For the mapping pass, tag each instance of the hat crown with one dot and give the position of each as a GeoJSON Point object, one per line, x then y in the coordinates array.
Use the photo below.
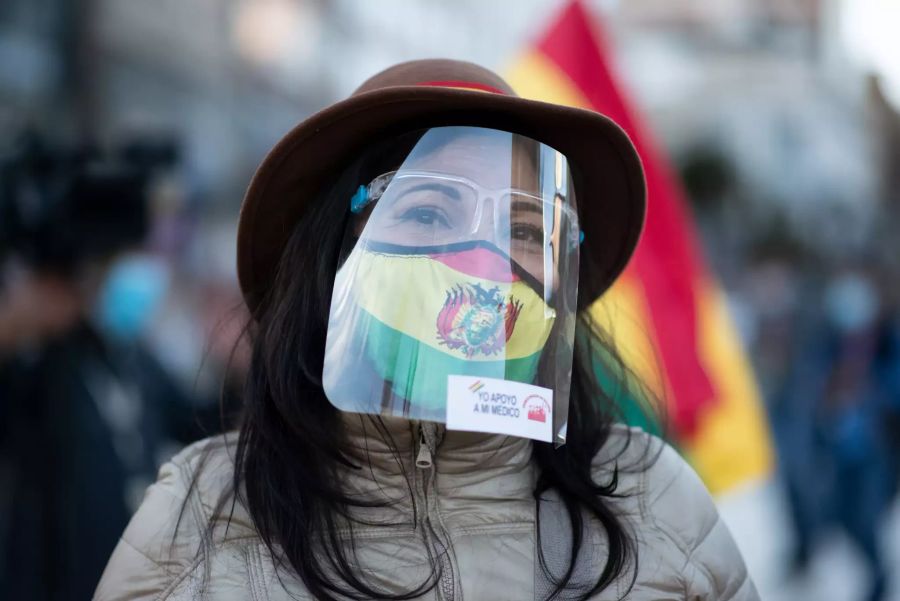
{"type": "Point", "coordinates": [440, 73]}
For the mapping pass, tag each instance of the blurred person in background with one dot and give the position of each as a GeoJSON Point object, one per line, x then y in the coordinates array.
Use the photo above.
{"type": "Point", "coordinates": [422, 418]}
{"type": "Point", "coordinates": [828, 361]}
{"type": "Point", "coordinates": [85, 410]}
{"type": "Point", "coordinates": [790, 378]}
{"type": "Point", "coordinates": [859, 360]}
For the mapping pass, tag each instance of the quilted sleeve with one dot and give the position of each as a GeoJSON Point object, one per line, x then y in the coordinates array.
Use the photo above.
{"type": "Point", "coordinates": [150, 560]}
{"type": "Point", "coordinates": [680, 506]}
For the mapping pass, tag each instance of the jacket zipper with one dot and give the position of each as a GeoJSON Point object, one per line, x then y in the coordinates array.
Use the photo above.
{"type": "Point", "coordinates": [423, 458]}
{"type": "Point", "coordinates": [435, 534]}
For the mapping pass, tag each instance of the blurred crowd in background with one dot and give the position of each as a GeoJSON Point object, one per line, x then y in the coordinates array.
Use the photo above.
{"type": "Point", "coordinates": [129, 130]}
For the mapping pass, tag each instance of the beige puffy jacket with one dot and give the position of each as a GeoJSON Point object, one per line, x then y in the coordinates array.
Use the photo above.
{"type": "Point", "coordinates": [473, 491]}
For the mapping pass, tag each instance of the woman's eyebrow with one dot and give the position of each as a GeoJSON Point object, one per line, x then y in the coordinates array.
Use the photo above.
{"type": "Point", "coordinates": [453, 192]}
{"type": "Point", "coordinates": [526, 206]}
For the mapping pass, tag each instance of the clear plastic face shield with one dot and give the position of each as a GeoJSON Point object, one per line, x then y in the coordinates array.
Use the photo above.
{"type": "Point", "coordinates": [456, 301]}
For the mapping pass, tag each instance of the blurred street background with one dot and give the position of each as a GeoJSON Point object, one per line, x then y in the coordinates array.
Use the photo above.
{"type": "Point", "coordinates": [130, 129]}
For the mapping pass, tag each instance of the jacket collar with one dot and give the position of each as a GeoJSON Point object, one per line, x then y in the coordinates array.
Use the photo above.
{"type": "Point", "coordinates": [392, 444]}
{"type": "Point", "coordinates": [385, 451]}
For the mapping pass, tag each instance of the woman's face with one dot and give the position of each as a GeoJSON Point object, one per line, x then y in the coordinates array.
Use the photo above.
{"type": "Point", "coordinates": [480, 185]}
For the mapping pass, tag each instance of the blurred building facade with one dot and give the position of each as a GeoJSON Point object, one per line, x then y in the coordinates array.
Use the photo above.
{"type": "Point", "coordinates": [768, 83]}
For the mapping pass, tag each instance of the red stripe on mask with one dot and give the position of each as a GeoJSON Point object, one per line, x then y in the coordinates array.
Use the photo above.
{"type": "Point", "coordinates": [480, 263]}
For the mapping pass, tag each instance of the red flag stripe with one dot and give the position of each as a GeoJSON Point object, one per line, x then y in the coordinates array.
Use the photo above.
{"type": "Point", "coordinates": [666, 260]}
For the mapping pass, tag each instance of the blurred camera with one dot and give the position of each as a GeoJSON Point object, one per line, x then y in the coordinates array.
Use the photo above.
{"type": "Point", "coordinates": [62, 206]}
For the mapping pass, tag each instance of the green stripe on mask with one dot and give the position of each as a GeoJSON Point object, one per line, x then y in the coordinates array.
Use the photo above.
{"type": "Point", "coordinates": [418, 372]}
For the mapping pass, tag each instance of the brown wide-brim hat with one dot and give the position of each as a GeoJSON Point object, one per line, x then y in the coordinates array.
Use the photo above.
{"type": "Point", "coordinates": [606, 171]}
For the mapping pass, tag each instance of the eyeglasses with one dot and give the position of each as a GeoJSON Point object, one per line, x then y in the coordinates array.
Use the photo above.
{"type": "Point", "coordinates": [421, 208]}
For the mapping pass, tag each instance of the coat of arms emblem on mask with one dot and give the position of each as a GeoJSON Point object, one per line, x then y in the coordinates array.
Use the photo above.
{"type": "Point", "coordinates": [474, 320]}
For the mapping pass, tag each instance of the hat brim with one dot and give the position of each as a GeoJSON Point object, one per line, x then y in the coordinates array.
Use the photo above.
{"type": "Point", "coordinates": [606, 171]}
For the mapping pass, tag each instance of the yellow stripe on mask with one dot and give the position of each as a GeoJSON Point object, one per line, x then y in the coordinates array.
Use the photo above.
{"type": "Point", "coordinates": [465, 316]}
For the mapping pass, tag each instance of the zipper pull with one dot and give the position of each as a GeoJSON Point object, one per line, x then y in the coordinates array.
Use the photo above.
{"type": "Point", "coordinates": [423, 459]}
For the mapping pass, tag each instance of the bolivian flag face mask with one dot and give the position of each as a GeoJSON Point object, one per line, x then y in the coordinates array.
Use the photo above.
{"type": "Point", "coordinates": [456, 300]}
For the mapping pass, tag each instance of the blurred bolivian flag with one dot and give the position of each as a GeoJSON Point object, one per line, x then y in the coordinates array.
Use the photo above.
{"type": "Point", "coordinates": [666, 313]}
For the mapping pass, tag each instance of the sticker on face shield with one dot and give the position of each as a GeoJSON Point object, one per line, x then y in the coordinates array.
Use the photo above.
{"type": "Point", "coordinates": [496, 406]}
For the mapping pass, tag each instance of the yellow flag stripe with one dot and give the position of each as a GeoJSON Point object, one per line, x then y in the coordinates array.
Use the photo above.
{"type": "Point", "coordinates": [535, 76]}
{"type": "Point", "coordinates": [731, 445]}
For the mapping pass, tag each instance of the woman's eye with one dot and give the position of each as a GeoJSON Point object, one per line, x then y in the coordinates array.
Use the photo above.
{"type": "Point", "coordinates": [527, 233]}
{"type": "Point", "coordinates": [426, 216]}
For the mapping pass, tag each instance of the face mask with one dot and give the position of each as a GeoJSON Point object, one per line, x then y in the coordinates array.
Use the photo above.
{"type": "Point", "coordinates": [467, 312]}
{"type": "Point", "coordinates": [851, 303]}
{"type": "Point", "coordinates": [133, 290]}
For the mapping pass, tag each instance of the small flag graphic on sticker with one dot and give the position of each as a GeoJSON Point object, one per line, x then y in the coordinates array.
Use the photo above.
{"type": "Point", "coordinates": [476, 386]}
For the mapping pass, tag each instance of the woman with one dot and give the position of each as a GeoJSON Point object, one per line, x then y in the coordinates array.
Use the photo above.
{"type": "Point", "coordinates": [422, 416]}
